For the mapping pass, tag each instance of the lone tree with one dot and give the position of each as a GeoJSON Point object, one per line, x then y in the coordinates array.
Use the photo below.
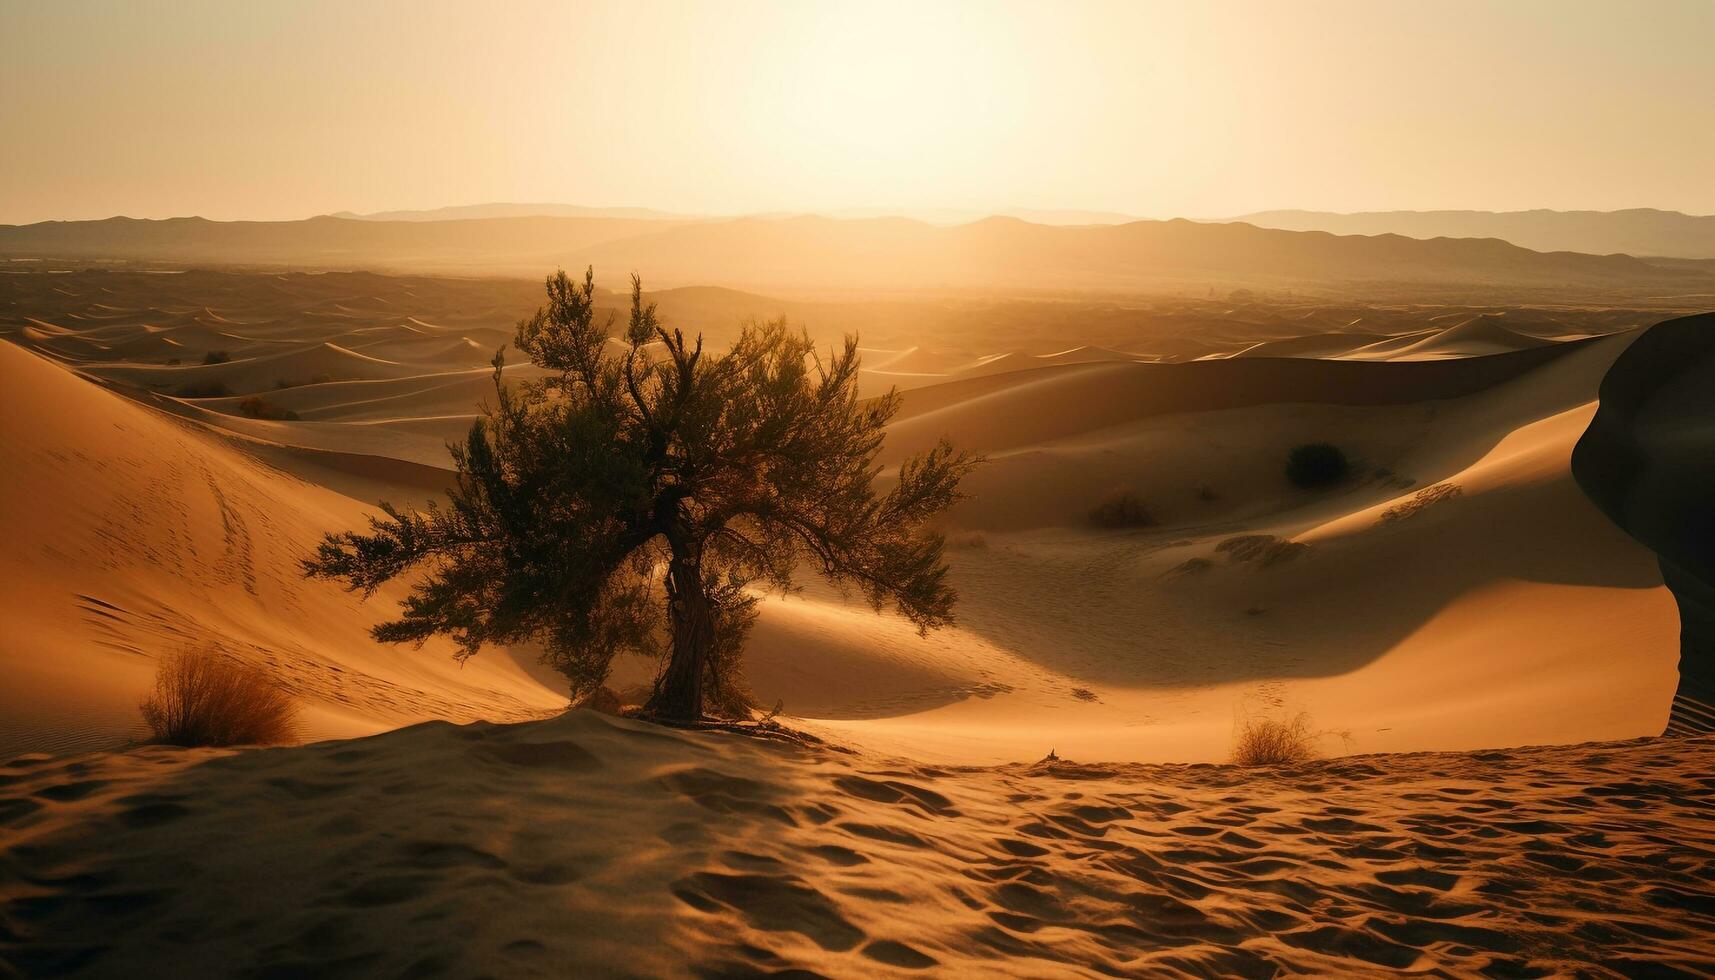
{"type": "Point", "coordinates": [645, 465]}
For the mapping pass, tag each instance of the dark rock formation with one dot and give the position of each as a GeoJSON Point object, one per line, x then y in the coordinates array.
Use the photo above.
{"type": "Point", "coordinates": [1648, 461]}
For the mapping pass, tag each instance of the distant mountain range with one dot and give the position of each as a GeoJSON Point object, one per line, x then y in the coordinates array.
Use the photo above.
{"type": "Point", "coordinates": [821, 254]}
{"type": "Point", "coordinates": [933, 216]}
{"type": "Point", "coordinates": [465, 212]}
{"type": "Point", "coordinates": [1639, 231]}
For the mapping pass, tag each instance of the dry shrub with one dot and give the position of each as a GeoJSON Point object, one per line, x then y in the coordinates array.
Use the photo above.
{"type": "Point", "coordinates": [1274, 741]}
{"type": "Point", "coordinates": [605, 700]}
{"type": "Point", "coordinates": [204, 698]}
{"type": "Point", "coordinates": [1190, 566]}
{"type": "Point", "coordinates": [1121, 508]}
{"type": "Point", "coordinates": [1262, 550]}
{"type": "Point", "coordinates": [971, 540]}
{"type": "Point", "coordinates": [261, 408]}
{"type": "Point", "coordinates": [1427, 497]}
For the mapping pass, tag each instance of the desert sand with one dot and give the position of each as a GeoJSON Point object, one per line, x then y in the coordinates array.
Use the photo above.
{"type": "Point", "coordinates": [593, 846]}
{"type": "Point", "coordinates": [1460, 592]}
{"type": "Point", "coordinates": [1463, 534]}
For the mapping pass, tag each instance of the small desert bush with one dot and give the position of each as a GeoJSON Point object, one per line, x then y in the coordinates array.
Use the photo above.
{"type": "Point", "coordinates": [1268, 741]}
{"type": "Point", "coordinates": [605, 700]}
{"type": "Point", "coordinates": [1121, 508]}
{"type": "Point", "coordinates": [261, 408]}
{"type": "Point", "coordinates": [217, 357]}
{"type": "Point", "coordinates": [967, 540]}
{"type": "Point", "coordinates": [1262, 550]}
{"type": "Point", "coordinates": [204, 698]}
{"type": "Point", "coordinates": [1315, 465]}
{"type": "Point", "coordinates": [203, 389]}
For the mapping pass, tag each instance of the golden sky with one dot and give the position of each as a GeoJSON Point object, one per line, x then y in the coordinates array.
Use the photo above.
{"type": "Point", "coordinates": [282, 110]}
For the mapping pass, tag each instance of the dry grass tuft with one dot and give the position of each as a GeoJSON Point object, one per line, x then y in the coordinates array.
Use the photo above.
{"type": "Point", "coordinates": [261, 408]}
{"type": "Point", "coordinates": [1427, 497]}
{"type": "Point", "coordinates": [1121, 507]}
{"type": "Point", "coordinates": [605, 700]}
{"type": "Point", "coordinates": [202, 698]}
{"type": "Point", "coordinates": [1274, 741]}
{"type": "Point", "coordinates": [967, 540]}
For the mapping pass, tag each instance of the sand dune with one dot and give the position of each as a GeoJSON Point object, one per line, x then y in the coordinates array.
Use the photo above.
{"type": "Point", "coordinates": [1005, 409]}
{"type": "Point", "coordinates": [1470, 338]}
{"type": "Point", "coordinates": [490, 850]}
{"type": "Point", "coordinates": [1311, 345]}
{"type": "Point", "coordinates": [131, 533]}
{"type": "Point", "coordinates": [306, 365]}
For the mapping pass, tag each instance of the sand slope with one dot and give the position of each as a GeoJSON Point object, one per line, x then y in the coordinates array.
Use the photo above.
{"type": "Point", "coordinates": [130, 533]}
{"type": "Point", "coordinates": [594, 847]}
{"type": "Point", "coordinates": [1464, 566]}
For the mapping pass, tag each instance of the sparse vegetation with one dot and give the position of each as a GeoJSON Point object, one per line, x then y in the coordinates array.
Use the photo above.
{"type": "Point", "coordinates": [203, 698]}
{"type": "Point", "coordinates": [1317, 465]}
{"type": "Point", "coordinates": [1427, 497]}
{"type": "Point", "coordinates": [1274, 741]}
{"type": "Point", "coordinates": [1190, 566]}
{"type": "Point", "coordinates": [203, 389]}
{"type": "Point", "coordinates": [1262, 550]}
{"type": "Point", "coordinates": [258, 407]}
{"type": "Point", "coordinates": [1121, 508]}
{"type": "Point", "coordinates": [217, 357]}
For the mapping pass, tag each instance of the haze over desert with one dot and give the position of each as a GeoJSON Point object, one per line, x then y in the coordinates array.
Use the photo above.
{"type": "Point", "coordinates": [870, 556]}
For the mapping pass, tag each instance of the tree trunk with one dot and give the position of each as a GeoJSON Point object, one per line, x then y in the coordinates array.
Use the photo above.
{"type": "Point", "coordinates": [679, 690]}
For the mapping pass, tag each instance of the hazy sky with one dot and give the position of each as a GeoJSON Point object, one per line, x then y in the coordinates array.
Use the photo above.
{"type": "Point", "coordinates": [282, 110]}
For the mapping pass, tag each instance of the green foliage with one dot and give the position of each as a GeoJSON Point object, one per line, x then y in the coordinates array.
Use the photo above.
{"type": "Point", "coordinates": [645, 465]}
{"type": "Point", "coordinates": [1316, 465]}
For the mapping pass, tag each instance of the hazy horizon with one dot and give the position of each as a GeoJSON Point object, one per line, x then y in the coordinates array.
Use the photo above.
{"type": "Point", "coordinates": [1153, 110]}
